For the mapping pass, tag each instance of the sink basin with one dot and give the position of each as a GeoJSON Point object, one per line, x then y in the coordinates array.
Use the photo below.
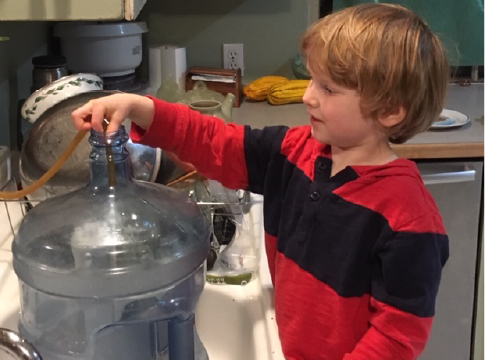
{"type": "Point", "coordinates": [231, 322]}
{"type": "Point", "coordinates": [237, 322]}
{"type": "Point", "coordinates": [234, 322]}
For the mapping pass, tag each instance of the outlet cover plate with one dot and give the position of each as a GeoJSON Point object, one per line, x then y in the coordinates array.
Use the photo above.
{"type": "Point", "coordinates": [233, 57]}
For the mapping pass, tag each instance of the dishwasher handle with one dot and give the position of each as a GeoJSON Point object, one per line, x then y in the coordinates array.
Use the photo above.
{"type": "Point", "coordinates": [449, 177]}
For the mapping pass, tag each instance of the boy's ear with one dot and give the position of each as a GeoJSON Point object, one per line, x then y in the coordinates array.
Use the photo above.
{"type": "Point", "coordinates": [392, 117]}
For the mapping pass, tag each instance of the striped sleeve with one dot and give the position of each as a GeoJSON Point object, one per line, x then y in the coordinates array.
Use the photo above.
{"type": "Point", "coordinates": [215, 148]}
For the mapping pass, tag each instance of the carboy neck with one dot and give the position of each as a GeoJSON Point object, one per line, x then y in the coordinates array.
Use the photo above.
{"type": "Point", "coordinates": [110, 165]}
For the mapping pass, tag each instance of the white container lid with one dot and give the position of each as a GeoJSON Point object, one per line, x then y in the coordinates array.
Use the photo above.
{"type": "Point", "coordinates": [86, 29]}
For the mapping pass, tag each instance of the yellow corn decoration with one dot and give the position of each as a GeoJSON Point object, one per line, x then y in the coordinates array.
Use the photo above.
{"type": "Point", "coordinates": [258, 89]}
{"type": "Point", "coordinates": [291, 91]}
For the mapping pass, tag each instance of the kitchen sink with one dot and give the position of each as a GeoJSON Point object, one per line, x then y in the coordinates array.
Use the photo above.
{"type": "Point", "coordinates": [231, 323]}
{"type": "Point", "coordinates": [237, 322]}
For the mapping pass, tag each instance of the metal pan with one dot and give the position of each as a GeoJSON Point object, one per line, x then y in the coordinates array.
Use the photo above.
{"type": "Point", "coordinates": [50, 136]}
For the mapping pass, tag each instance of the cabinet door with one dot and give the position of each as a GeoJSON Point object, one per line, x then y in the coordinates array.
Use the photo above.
{"type": "Point", "coordinates": [133, 8]}
{"type": "Point", "coordinates": [457, 189]}
{"type": "Point", "coordinates": [70, 9]}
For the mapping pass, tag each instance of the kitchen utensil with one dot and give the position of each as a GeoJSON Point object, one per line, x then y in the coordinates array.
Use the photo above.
{"type": "Point", "coordinates": [57, 91]}
{"type": "Point", "coordinates": [214, 108]}
{"type": "Point", "coordinates": [171, 168]}
{"type": "Point", "coordinates": [47, 69]}
{"type": "Point", "coordinates": [209, 102]}
{"type": "Point", "coordinates": [190, 175]}
{"type": "Point", "coordinates": [106, 49]}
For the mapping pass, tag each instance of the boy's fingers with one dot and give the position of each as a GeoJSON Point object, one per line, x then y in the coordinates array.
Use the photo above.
{"type": "Point", "coordinates": [85, 126]}
{"type": "Point", "coordinates": [115, 121]}
{"type": "Point", "coordinates": [82, 117]}
{"type": "Point", "coordinates": [98, 114]}
{"type": "Point", "coordinates": [92, 114]}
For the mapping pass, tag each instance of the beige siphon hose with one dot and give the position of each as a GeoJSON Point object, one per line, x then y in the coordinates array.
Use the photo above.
{"type": "Point", "coordinates": [9, 195]}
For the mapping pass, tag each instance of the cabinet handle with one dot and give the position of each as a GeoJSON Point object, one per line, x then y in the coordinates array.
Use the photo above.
{"type": "Point", "coordinates": [449, 177]}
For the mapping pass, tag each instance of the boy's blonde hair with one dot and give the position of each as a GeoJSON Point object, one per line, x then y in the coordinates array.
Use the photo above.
{"type": "Point", "coordinates": [389, 55]}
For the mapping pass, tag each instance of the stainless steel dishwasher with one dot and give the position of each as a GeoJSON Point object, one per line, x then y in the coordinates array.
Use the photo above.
{"type": "Point", "coordinates": [457, 189]}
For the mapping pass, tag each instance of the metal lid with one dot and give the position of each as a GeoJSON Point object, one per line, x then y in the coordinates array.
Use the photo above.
{"type": "Point", "coordinates": [49, 61]}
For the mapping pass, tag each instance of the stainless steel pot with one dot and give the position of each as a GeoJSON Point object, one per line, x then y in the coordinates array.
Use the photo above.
{"type": "Point", "coordinates": [50, 136]}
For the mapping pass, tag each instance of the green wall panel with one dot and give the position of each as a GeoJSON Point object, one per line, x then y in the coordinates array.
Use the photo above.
{"type": "Point", "coordinates": [459, 23]}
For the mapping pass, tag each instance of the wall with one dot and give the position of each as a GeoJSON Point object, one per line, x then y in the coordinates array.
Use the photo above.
{"type": "Point", "coordinates": [27, 39]}
{"type": "Point", "coordinates": [269, 29]}
{"type": "Point", "coordinates": [459, 24]}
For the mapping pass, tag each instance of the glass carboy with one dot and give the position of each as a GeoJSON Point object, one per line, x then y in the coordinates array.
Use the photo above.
{"type": "Point", "coordinates": [113, 270]}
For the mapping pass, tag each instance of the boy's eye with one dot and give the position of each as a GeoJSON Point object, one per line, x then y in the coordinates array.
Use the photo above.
{"type": "Point", "coordinates": [327, 89]}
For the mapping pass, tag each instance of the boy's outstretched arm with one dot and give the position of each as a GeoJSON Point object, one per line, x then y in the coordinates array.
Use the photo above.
{"type": "Point", "coordinates": [215, 148]}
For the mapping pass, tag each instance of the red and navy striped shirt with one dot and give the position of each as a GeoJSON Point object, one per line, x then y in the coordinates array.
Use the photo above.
{"type": "Point", "coordinates": [355, 258]}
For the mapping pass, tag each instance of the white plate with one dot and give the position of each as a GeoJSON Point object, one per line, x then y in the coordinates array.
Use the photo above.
{"type": "Point", "coordinates": [453, 119]}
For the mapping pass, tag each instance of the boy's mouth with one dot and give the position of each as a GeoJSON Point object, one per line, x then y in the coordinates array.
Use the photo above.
{"type": "Point", "coordinates": [314, 119]}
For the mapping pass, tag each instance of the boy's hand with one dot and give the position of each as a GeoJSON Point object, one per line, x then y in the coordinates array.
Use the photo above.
{"type": "Point", "coordinates": [115, 108]}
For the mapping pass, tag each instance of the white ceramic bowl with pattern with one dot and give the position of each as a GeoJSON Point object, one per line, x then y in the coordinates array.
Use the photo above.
{"type": "Point", "coordinates": [68, 86]}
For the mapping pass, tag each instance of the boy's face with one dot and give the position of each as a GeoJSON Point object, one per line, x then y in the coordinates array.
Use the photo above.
{"type": "Point", "coordinates": [336, 117]}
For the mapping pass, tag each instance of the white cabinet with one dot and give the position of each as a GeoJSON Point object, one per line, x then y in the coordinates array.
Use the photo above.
{"type": "Point", "coordinates": [58, 10]}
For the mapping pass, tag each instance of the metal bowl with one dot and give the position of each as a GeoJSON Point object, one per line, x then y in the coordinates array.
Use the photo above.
{"type": "Point", "coordinates": [50, 136]}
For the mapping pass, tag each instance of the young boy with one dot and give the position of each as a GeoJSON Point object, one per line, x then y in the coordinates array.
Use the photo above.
{"type": "Point", "coordinates": [354, 241]}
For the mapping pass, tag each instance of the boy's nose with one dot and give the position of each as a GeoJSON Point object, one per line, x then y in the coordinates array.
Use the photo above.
{"type": "Point", "coordinates": [308, 98]}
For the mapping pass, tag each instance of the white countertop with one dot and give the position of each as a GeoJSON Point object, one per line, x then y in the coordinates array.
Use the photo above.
{"type": "Point", "coordinates": [468, 100]}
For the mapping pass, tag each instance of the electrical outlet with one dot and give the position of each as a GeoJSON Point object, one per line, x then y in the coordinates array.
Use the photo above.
{"type": "Point", "coordinates": [232, 57]}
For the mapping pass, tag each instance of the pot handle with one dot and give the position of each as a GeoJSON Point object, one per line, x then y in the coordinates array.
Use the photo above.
{"type": "Point", "coordinates": [15, 345]}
